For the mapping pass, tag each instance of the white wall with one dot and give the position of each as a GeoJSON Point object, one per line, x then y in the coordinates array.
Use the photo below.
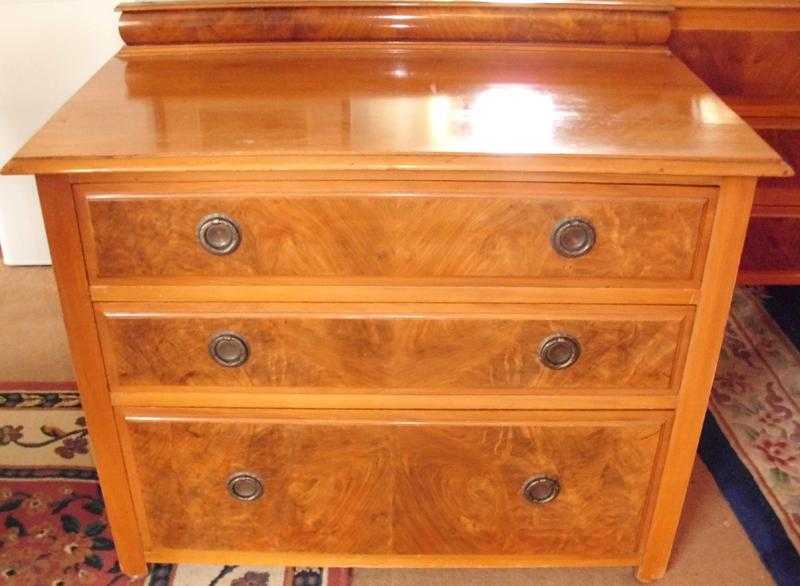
{"type": "Point", "coordinates": [48, 49]}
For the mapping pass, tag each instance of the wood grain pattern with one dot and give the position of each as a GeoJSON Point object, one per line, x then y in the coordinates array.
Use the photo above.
{"type": "Point", "coordinates": [727, 239]}
{"type": "Point", "coordinates": [779, 277]}
{"type": "Point", "coordinates": [73, 289]}
{"type": "Point", "coordinates": [772, 246]}
{"type": "Point", "coordinates": [757, 16]}
{"type": "Point", "coordinates": [771, 253]}
{"type": "Point", "coordinates": [785, 191]}
{"type": "Point", "coordinates": [403, 492]}
{"type": "Point", "coordinates": [761, 64]}
{"type": "Point", "coordinates": [435, 348]}
{"type": "Point", "coordinates": [412, 106]}
{"type": "Point", "coordinates": [444, 22]}
{"type": "Point", "coordinates": [418, 232]}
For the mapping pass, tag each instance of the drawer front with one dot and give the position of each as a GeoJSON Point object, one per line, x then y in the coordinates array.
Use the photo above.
{"type": "Point", "coordinates": [396, 348]}
{"type": "Point", "coordinates": [355, 232]}
{"type": "Point", "coordinates": [397, 483]}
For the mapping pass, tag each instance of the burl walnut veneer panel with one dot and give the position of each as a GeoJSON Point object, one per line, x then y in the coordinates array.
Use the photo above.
{"type": "Point", "coordinates": [148, 25]}
{"type": "Point", "coordinates": [755, 64]}
{"type": "Point", "coordinates": [423, 231]}
{"type": "Point", "coordinates": [402, 484]}
{"type": "Point", "coordinates": [443, 348]}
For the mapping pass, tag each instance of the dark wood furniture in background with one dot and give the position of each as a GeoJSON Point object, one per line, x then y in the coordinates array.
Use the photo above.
{"type": "Point", "coordinates": [748, 51]}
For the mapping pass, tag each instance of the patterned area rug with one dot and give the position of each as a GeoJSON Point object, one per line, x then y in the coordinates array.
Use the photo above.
{"type": "Point", "coordinates": [751, 441]}
{"type": "Point", "coordinates": [54, 531]}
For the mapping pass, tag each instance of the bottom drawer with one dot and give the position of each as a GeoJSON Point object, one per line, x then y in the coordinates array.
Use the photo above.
{"type": "Point", "coordinates": [390, 484]}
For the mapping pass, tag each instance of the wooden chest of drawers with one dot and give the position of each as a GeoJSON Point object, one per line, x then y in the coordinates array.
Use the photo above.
{"type": "Point", "coordinates": [457, 304]}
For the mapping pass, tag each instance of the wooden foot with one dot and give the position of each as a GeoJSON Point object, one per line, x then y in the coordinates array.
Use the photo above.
{"type": "Point", "coordinates": [133, 568]}
{"type": "Point", "coordinates": [648, 573]}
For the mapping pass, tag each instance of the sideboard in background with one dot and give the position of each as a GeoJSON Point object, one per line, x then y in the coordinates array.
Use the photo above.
{"type": "Point", "coordinates": [749, 53]}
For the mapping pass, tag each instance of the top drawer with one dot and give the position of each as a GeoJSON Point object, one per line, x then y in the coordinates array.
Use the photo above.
{"type": "Point", "coordinates": [395, 231]}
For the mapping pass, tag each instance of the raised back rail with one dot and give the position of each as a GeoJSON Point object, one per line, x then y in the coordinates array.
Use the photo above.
{"type": "Point", "coordinates": [204, 22]}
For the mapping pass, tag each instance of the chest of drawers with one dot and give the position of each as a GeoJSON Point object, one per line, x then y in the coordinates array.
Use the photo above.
{"type": "Point", "coordinates": [414, 303]}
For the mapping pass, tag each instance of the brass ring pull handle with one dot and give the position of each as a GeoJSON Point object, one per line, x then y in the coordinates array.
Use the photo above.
{"type": "Point", "coordinates": [229, 349]}
{"type": "Point", "coordinates": [219, 234]}
{"type": "Point", "coordinates": [540, 490]}
{"type": "Point", "coordinates": [245, 487]}
{"type": "Point", "coordinates": [573, 237]}
{"type": "Point", "coordinates": [559, 351]}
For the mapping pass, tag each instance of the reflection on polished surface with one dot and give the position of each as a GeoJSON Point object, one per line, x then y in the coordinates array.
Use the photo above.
{"type": "Point", "coordinates": [511, 119]}
{"type": "Point", "coordinates": [713, 111]}
{"type": "Point", "coordinates": [391, 100]}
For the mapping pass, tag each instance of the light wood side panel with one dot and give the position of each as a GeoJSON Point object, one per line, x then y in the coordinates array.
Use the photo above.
{"type": "Point", "coordinates": [411, 232]}
{"type": "Point", "coordinates": [414, 484]}
{"type": "Point", "coordinates": [396, 348]}
{"type": "Point", "coordinates": [73, 289]}
{"type": "Point", "coordinates": [727, 239]}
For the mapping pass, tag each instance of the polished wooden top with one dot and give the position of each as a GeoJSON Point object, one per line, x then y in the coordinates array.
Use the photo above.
{"type": "Point", "coordinates": [379, 106]}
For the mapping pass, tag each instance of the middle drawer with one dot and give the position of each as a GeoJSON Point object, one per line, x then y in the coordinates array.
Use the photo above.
{"type": "Point", "coordinates": [396, 348]}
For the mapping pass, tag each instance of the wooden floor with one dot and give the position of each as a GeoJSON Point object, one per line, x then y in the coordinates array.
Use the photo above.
{"type": "Point", "coordinates": [711, 547]}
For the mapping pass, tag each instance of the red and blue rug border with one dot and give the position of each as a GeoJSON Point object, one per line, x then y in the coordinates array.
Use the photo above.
{"type": "Point", "coordinates": [737, 484]}
{"type": "Point", "coordinates": [751, 508]}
